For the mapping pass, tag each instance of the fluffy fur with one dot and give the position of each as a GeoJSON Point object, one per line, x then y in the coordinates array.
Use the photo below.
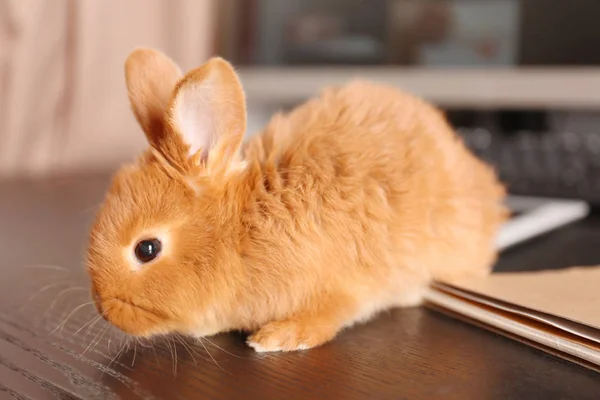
{"type": "Point", "coordinates": [350, 204]}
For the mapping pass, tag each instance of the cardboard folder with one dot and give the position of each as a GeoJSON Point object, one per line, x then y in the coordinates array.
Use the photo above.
{"type": "Point", "coordinates": [557, 311]}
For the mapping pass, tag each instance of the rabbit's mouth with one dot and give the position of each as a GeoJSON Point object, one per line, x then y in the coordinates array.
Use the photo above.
{"type": "Point", "coordinates": [129, 303]}
{"type": "Point", "coordinates": [131, 318]}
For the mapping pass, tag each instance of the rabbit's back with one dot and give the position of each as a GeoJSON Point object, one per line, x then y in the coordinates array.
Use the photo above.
{"type": "Point", "coordinates": [381, 175]}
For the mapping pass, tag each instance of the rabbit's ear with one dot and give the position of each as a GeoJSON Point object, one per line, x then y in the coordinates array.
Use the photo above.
{"type": "Point", "coordinates": [208, 111]}
{"type": "Point", "coordinates": [151, 77]}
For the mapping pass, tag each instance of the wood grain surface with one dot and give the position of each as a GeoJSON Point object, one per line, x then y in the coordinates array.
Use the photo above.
{"type": "Point", "coordinates": [52, 345]}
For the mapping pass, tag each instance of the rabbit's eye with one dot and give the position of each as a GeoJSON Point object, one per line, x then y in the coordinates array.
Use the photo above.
{"type": "Point", "coordinates": [147, 250]}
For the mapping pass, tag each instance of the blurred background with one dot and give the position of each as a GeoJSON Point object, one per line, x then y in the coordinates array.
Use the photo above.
{"type": "Point", "coordinates": [519, 79]}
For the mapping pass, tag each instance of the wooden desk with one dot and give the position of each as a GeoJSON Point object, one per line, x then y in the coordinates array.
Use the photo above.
{"type": "Point", "coordinates": [403, 354]}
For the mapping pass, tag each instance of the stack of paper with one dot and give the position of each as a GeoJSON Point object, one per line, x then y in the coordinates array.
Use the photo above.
{"type": "Point", "coordinates": [557, 311]}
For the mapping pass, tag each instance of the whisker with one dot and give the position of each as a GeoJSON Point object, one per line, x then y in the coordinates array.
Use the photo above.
{"type": "Point", "coordinates": [260, 357]}
{"type": "Point", "coordinates": [40, 291]}
{"type": "Point", "coordinates": [134, 352]}
{"type": "Point", "coordinates": [91, 321]}
{"type": "Point", "coordinates": [210, 355]}
{"type": "Point", "coordinates": [223, 350]}
{"type": "Point", "coordinates": [171, 351]}
{"type": "Point", "coordinates": [90, 208]}
{"type": "Point", "coordinates": [187, 348]}
{"type": "Point", "coordinates": [175, 352]}
{"type": "Point", "coordinates": [110, 332]}
{"type": "Point", "coordinates": [93, 340]}
{"type": "Point", "coordinates": [63, 292]}
{"type": "Point", "coordinates": [114, 359]}
{"type": "Point", "coordinates": [155, 354]}
{"type": "Point", "coordinates": [140, 341]}
{"type": "Point", "coordinates": [192, 347]}
{"type": "Point", "coordinates": [90, 327]}
{"type": "Point", "coordinates": [100, 340]}
{"type": "Point", "coordinates": [70, 315]}
{"type": "Point", "coordinates": [109, 339]}
{"type": "Point", "coordinates": [47, 266]}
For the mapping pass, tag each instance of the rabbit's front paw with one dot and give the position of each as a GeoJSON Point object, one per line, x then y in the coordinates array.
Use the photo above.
{"type": "Point", "coordinates": [290, 335]}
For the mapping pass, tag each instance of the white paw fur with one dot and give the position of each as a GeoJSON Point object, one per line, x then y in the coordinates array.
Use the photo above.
{"type": "Point", "coordinates": [261, 349]}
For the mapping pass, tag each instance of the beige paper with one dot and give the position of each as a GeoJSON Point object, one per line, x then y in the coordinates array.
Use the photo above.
{"type": "Point", "coordinates": [572, 293]}
{"type": "Point", "coordinates": [555, 311]}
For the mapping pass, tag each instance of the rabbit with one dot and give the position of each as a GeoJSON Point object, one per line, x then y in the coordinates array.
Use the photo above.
{"type": "Point", "coordinates": [349, 205]}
